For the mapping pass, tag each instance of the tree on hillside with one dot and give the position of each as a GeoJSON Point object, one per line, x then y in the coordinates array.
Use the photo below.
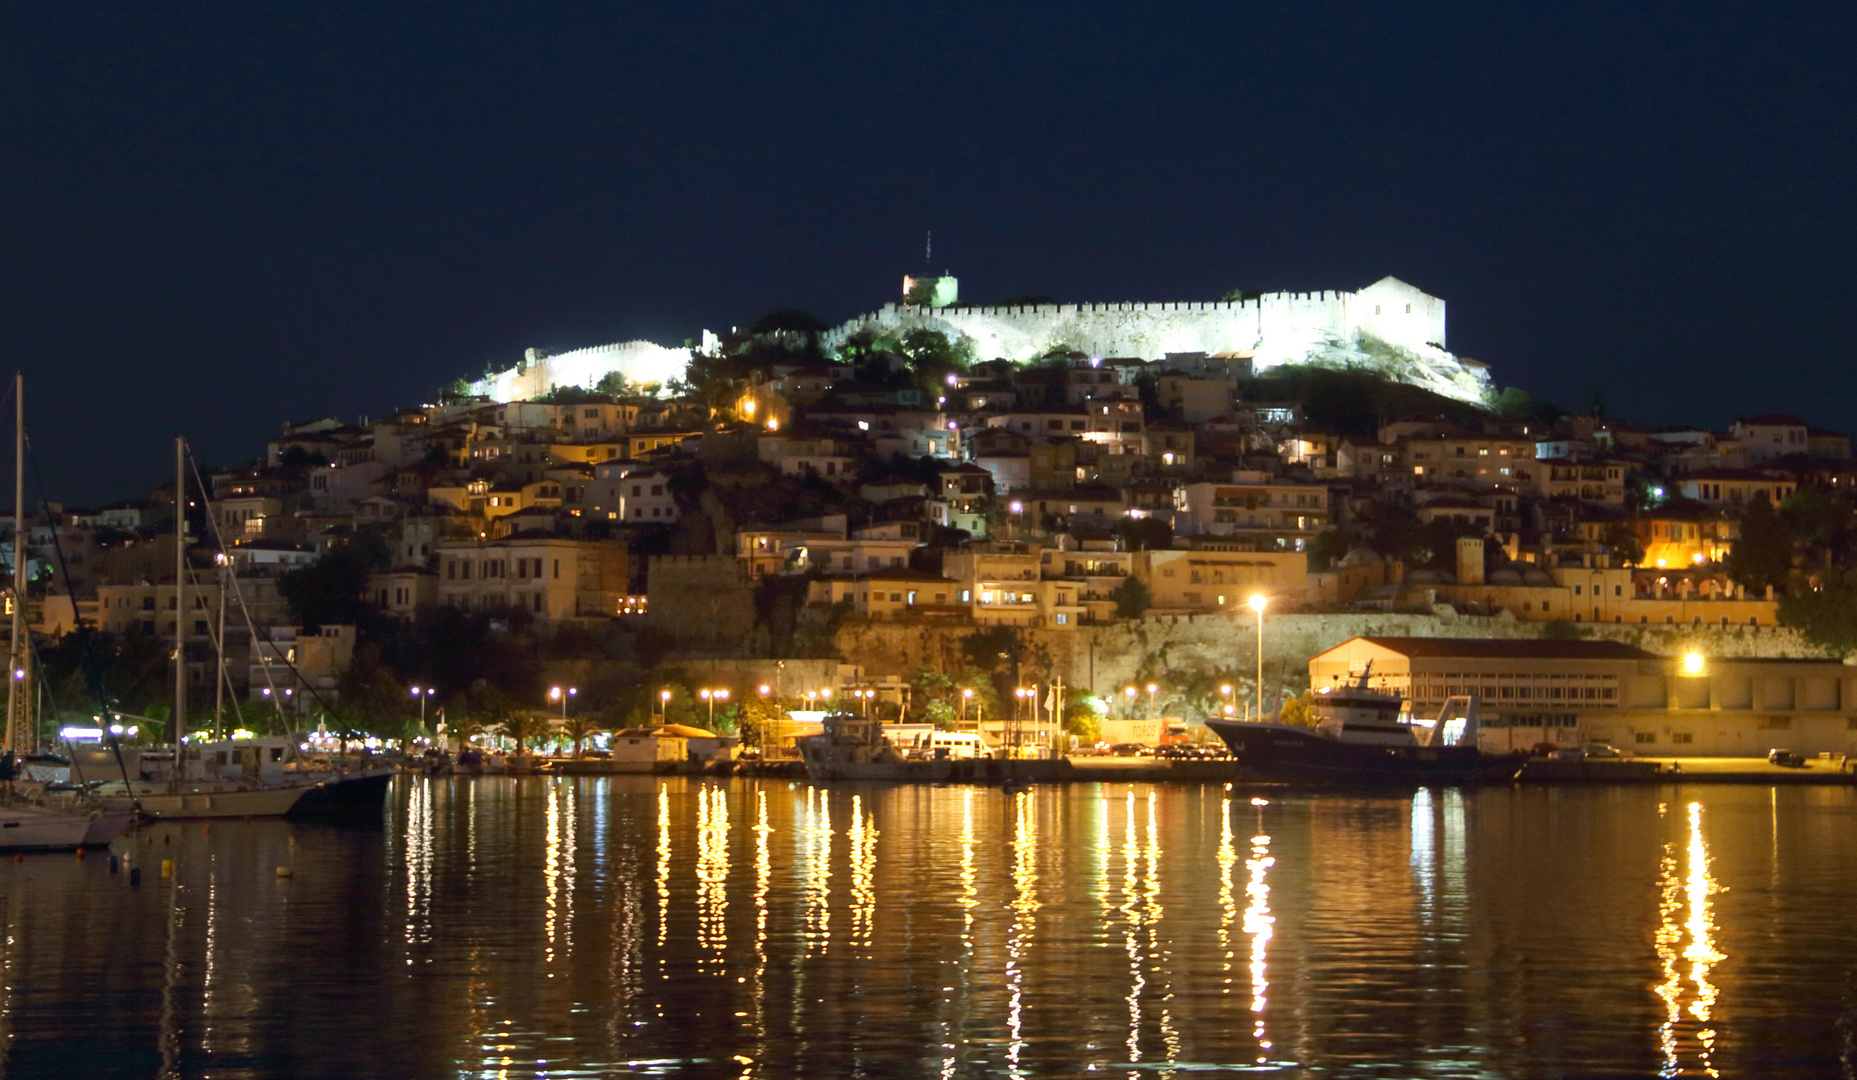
{"type": "Point", "coordinates": [1763, 554]}
{"type": "Point", "coordinates": [1824, 613]}
{"type": "Point", "coordinates": [1132, 598]}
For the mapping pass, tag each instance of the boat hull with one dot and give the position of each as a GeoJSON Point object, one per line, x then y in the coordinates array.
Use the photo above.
{"type": "Point", "coordinates": [340, 796]}
{"type": "Point", "coordinates": [33, 829]}
{"type": "Point", "coordinates": [1278, 752]}
{"type": "Point", "coordinates": [362, 795]}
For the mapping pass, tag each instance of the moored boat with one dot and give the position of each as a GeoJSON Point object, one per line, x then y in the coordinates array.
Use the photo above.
{"type": "Point", "coordinates": [854, 748]}
{"type": "Point", "coordinates": [1360, 738]}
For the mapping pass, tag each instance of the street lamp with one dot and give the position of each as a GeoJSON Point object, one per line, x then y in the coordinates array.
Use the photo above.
{"type": "Point", "coordinates": [1152, 711]}
{"type": "Point", "coordinates": [422, 694]}
{"type": "Point", "coordinates": [664, 705]}
{"type": "Point", "coordinates": [1258, 603]}
{"type": "Point", "coordinates": [713, 696]}
{"type": "Point", "coordinates": [1017, 508]}
{"type": "Point", "coordinates": [556, 693]}
{"type": "Point", "coordinates": [1130, 711]}
{"type": "Point", "coordinates": [967, 695]}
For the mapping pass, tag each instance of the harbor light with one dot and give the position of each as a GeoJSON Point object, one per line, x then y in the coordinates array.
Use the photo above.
{"type": "Point", "coordinates": [1692, 663]}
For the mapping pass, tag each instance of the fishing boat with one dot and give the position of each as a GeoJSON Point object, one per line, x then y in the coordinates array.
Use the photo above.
{"type": "Point", "coordinates": [855, 748]}
{"type": "Point", "coordinates": [1360, 738]}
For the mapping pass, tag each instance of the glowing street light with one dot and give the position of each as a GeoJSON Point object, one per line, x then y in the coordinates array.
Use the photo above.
{"type": "Point", "coordinates": [967, 695]}
{"type": "Point", "coordinates": [422, 693]}
{"type": "Point", "coordinates": [1130, 691]}
{"type": "Point", "coordinates": [664, 705]}
{"type": "Point", "coordinates": [556, 693]}
{"type": "Point", "coordinates": [1152, 710]}
{"type": "Point", "coordinates": [713, 696]}
{"type": "Point", "coordinates": [1692, 663]}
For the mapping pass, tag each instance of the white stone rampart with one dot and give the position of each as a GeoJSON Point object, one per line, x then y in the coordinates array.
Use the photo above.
{"type": "Point", "coordinates": [638, 361]}
{"type": "Point", "coordinates": [1287, 327]}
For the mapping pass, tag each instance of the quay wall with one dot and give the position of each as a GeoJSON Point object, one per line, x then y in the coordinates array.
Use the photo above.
{"type": "Point", "coordinates": [1109, 656]}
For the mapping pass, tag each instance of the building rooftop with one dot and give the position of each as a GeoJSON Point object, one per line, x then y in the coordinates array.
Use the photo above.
{"type": "Point", "coordinates": [1510, 649]}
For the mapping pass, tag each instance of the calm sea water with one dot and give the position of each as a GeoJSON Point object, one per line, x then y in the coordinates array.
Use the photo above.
{"type": "Point", "coordinates": [578, 927]}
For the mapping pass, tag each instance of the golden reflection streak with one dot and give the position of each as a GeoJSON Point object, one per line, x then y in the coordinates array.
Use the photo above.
{"type": "Point", "coordinates": [1260, 926]}
{"type": "Point", "coordinates": [1228, 898]}
{"type": "Point", "coordinates": [969, 900]}
{"type": "Point", "coordinates": [1152, 913]}
{"type": "Point", "coordinates": [712, 871]}
{"type": "Point", "coordinates": [551, 871]}
{"type": "Point", "coordinates": [664, 865]}
{"type": "Point", "coordinates": [863, 842]}
{"type": "Point", "coordinates": [1024, 908]}
{"type": "Point", "coordinates": [1686, 912]}
{"type": "Point", "coordinates": [1131, 938]}
{"type": "Point", "coordinates": [418, 866]}
{"type": "Point", "coordinates": [763, 880]}
{"type": "Point", "coordinates": [570, 835]}
{"type": "Point", "coordinates": [819, 871]}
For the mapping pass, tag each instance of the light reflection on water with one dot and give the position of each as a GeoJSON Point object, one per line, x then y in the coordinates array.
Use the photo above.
{"type": "Point", "coordinates": [505, 927]}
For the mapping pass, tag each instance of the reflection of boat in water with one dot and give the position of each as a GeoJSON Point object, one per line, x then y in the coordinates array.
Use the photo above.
{"type": "Point", "coordinates": [1359, 738]}
{"type": "Point", "coordinates": [854, 748]}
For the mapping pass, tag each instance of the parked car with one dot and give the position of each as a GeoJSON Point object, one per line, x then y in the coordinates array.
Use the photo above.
{"type": "Point", "coordinates": [1605, 750]}
{"type": "Point", "coordinates": [1130, 749]}
{"type": "Point", "coordinates": [1786, 758]}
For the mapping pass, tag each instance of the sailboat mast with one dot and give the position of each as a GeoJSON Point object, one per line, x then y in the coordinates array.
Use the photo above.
{"type": "Point", "coordinates": [16, 701]}
{"type": "Point", "coordinates": [180, 595]}
{"type": "Point", "coordinates": [219, 660]}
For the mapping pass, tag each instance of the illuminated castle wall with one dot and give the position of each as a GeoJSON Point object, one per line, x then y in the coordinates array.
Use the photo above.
{"type": "Point", "coordinates": [1276, 327]}
{"type": "Point", "coordinates": [638, 361]}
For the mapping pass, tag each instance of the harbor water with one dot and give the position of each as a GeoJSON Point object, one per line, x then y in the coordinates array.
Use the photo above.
{"type": "Point", "coordinates": [561, 927]}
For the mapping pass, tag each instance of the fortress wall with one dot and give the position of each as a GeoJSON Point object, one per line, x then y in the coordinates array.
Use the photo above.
{"type": "Point", "coordinates": [1281, 327]}
{"type": "Point", "coordinates": [638, 361]}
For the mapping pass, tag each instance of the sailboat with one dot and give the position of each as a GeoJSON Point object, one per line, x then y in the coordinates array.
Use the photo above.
{"type": "Point", "coordinates": [232, 777]}
{"type": "Point", "coordinates": [29, 819]}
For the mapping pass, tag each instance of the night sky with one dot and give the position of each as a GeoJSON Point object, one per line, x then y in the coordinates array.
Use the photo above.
{"type": "Point", "coordinates": [219, 217]}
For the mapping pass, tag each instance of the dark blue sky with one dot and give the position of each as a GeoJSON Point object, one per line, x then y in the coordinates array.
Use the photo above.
{"type": "Point", "coordinates": [222, 216]}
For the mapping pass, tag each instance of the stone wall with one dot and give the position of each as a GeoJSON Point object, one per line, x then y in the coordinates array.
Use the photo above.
{"type": "Point", "coordinates": [1109, 656]}
{"type": "Point", "coordinates": [702, 602]}
{"type": "Point", "coordinates": [638, 361]}
{"type": "Point", "coordinates": [1279, 328]}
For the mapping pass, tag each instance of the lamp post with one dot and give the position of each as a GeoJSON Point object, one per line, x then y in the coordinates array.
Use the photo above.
{"type": "Point", "coordinates": [664, 706]}
{"type": "Point", "coordinates": [1017, 508]}
{"type": "Point", "coordinates": [713, 696]}
{"type": "Point", "coordinates": [556, 693]}
{"type": "Point", "coordinates": [1153, 710]}
{"type": "Point", "coordinates": [1258, 603]}
{"type": "Point", "coordinates": [422, 694]}
{"type": "Point", "coordinates": [1129, 710]}
{"type": "Point", "coordinates": [967, 695]}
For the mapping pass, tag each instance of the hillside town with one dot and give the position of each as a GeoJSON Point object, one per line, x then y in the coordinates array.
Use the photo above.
{"type": "Point", "coordinates": [711, 550]}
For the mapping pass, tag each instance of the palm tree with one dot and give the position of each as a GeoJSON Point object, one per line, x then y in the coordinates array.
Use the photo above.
{"type": "Point", "coordinates": [520, 728]}
{"type": "Point", "coordinates": [580, 729]}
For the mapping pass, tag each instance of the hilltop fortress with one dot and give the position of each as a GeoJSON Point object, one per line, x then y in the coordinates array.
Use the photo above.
{"type": "Point", "coordinates": [1390, 327]}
